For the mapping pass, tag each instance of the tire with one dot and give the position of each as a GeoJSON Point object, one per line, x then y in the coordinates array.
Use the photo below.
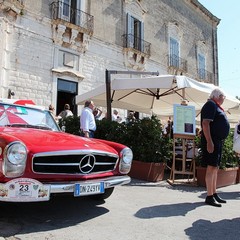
{"type": "Point", "coordinates": [108, 192]}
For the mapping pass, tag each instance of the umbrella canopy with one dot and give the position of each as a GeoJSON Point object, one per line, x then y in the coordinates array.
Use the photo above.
{"type": "Point", "coordinates": [154, 94]}
{"type": "Point", "coordinates": [233, 114]}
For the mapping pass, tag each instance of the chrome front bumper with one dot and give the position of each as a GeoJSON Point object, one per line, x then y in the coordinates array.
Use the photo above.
{"type": "Point", "coordinates": [109, 182]}
{"type": "Point", "coordinates": [31, 190]}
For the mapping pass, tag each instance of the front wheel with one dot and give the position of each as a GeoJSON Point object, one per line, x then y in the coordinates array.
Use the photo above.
{"type": "Point", "coordinates": [108, 192]}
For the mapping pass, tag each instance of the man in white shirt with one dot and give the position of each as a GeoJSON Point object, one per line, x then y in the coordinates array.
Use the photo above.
{"type": "Point", "coordinates": [87, 120]}
{"type": "Point", "coordinates": [116, 117]}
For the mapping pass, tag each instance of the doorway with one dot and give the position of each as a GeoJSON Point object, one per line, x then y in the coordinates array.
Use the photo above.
{"type": "Point", "coordinates": [66, 93]}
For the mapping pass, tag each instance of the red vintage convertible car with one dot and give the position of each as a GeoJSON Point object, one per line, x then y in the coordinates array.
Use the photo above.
{"type": "Point", "coordinates": [37, 159]}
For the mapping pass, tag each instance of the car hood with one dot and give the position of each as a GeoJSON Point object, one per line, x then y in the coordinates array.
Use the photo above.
{"type": "Point", "coordinates": [43, 140]}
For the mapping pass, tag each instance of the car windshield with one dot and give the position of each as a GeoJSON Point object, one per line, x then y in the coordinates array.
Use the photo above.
{"type": "Point", "coordinates": [23, 116]}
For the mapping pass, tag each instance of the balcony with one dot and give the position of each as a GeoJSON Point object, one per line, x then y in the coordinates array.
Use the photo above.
{"type": "Point", "coordinates": [137, 44]}
{"type": "Point", "coordinates": [204, 75]}
{"type": "Point", "coordinates": [13, 8]}
{"type": "Point", "coordinates": [136, 51]}
{"type": "Point", "coordinates": [71, 17]}
{"type": "Point", "coordinates": [177, 63]}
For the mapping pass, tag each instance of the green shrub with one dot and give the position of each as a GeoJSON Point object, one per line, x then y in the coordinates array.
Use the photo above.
{"type": "Point", "coordinates": [72, 124]}
{"type": "Point", "coordinates": [229, 158]}
{"type": "Point", "coordinates": [143, 136]}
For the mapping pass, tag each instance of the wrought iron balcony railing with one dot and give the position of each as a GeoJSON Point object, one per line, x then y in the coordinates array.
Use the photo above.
{"type": "Point", "coordinates": [131, 41]}
{"type": "Point", "coordinates": [205, 75]}
{"type": "Point", "coordinates": [67, 13]}
{"type": "Point", "coordinates": [177, 62]}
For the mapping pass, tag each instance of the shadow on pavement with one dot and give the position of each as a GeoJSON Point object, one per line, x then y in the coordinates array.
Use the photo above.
{"type": "Point", "coordinates": [205, 229]}
{"type": "Point", "coordinates": [225, 195]}
{"type": "Point", "coordinates": [165, 210]}
{"type": "Point", "coordinates": [59, 212]}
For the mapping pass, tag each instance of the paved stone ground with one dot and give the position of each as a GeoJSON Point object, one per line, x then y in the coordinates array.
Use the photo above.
{"type": "Point", "coordinates": [138, 211]}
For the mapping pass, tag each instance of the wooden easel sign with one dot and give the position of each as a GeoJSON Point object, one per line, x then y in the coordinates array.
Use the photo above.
{"type": "Point", "coordinates": [184, 122]}
{"type": "Point", "coordinates": [184, 128]}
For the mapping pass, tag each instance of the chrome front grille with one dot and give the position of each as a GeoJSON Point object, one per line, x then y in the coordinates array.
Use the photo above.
{"type": "Point", "coordinates": [74, 163]}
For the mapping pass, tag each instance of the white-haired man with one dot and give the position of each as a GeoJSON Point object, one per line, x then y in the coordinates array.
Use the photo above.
{"type": "Point", "coordinates": [215, 128]}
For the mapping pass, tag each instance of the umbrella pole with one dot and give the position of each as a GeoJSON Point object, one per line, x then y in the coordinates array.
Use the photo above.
{"type": "Point", "coordinates": [108, 94]}
{"type": "Point", "coordinates": [108, 86]}
{"type": "Point", "coordinates": [183, 93]}
{"type": "Point", "coordinates": [184, 101]}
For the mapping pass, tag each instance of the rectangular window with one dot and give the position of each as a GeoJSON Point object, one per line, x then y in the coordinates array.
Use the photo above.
{"type": "Point", "coordinates": [70, 11]}
{"type": "Point", "coordinates": [174, 53]}
{"type": "Point", "coordinates": [67, 86]}
{"type": "Point", "coordinates": [201, 66]}
{"type": "Point", "coordinates": [135, 33]}
{"type": "Point", "coordinates": [64, 10]}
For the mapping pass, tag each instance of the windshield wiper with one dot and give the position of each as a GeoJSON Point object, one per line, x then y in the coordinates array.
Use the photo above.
{"type": "Point", "coordinates": [39, 126]}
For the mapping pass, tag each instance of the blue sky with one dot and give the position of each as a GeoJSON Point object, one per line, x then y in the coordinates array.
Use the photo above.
{"type": "Point", "coordinates": [228, 42]}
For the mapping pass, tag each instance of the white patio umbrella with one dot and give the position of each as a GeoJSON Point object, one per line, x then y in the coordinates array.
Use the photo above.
{"type": "Point", "coordinates": [154, 94]}
{"type": "Point", "coordinates": [233, 115]}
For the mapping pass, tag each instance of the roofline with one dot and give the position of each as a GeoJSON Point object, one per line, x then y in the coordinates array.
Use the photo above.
{"type": "Point", "coordinates": [205, 11]}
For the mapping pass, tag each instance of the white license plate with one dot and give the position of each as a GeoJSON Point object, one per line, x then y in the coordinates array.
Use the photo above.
{"type": "Point", "coordinates": [88, 189]}
{"type": "Point", "coordinates": [24, 190]}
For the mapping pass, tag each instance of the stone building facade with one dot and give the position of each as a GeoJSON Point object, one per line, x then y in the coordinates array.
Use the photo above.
{"type": "Point", "coordinates": [51, 51]}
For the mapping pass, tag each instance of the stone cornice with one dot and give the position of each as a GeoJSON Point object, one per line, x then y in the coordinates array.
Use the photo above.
{"type": "Point", "coordinates": [205, 11]}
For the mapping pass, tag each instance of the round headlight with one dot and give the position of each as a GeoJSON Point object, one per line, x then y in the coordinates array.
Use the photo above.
{"type": "Point", "coordinates": [127, 155]}
{"type": "Point", "coordinates": [17, 153]}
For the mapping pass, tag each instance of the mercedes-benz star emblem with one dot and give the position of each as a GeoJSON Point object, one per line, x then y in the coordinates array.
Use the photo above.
{"type": "Point", "coordinates": [87, 163]}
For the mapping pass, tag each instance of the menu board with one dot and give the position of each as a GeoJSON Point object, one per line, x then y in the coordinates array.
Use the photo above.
{"type": "Point", "coordinates": [184, 119]}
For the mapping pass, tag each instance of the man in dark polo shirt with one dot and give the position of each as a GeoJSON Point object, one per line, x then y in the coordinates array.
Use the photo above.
{"type": "Point", "coordinates": [215, 128]}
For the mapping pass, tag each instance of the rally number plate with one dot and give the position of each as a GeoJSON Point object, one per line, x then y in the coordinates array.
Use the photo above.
{"type": "Point", "coordinates": [24, 190]}
{"type": "Point", "coordinates": [88, 189]}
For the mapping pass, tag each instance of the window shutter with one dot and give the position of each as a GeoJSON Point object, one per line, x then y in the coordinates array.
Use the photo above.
{"type": "Point", "coordinates": [130, 30]}
{"type": "Point", "coordinates": [78, 12]}
{"type": "Point", "coordinates": [64, 10]}
{"type": "Point", "coordinates": [201, 66]}
{"type": "Point", "coordinates": [142, 36]}
{"type": "Point", "coordinates": [174, 52]}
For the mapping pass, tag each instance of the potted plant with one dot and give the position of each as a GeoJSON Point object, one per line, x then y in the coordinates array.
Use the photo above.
{"type": "Point", "coordinates": [150, 148]}
{"type": "Point", "coordinates": [228, 171]}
